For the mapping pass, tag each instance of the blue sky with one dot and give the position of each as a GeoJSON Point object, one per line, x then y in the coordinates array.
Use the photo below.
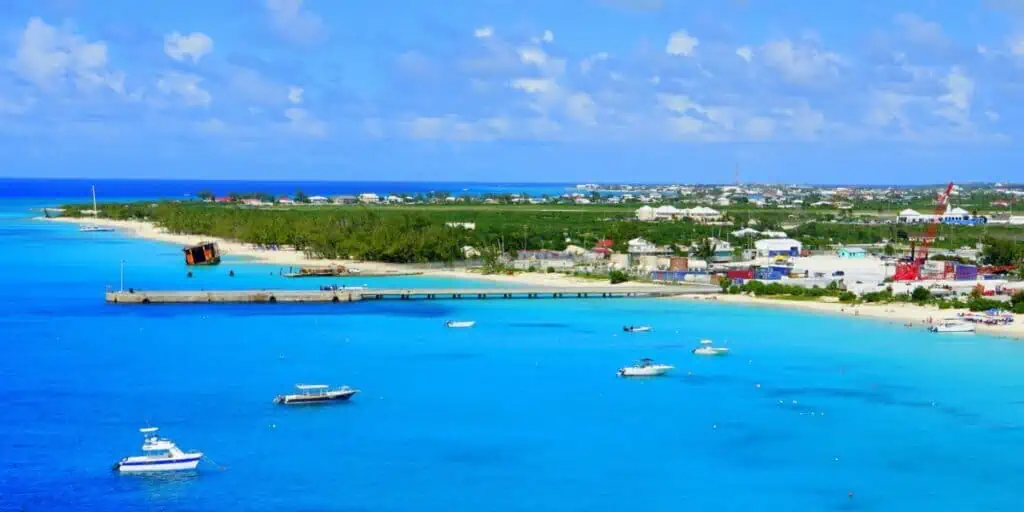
{"type": "Point", "coordinates": [514, 90]}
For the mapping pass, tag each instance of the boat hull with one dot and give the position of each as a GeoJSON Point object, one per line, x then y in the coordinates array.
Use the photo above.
{"type": "Point", "coordinates": [459, 325]}
{"type": "Point", "coordinates": [710, 351]}
{"type": "Point", "coordinates": [649, 371]}
{"type": "Point", "coordinates": [956, 329]}
{"type": "Point", "coordinates": [340, 396]}
{"type": "Point", "coordinates": [155, 466]}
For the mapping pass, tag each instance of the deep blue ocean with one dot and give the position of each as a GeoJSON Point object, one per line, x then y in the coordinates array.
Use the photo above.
{"type": "Point", "coordinates": [521, 413]}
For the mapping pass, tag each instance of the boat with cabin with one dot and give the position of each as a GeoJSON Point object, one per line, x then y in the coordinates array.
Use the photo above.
{"type": "Point", "coordinates": [160, 454]}
{"type": "Point", "coordinates": [93, 228]}
{"type": "Point", "coordinates": [324, 271]}
{"type": "Point", "coordinates": [645, 367]}
{"type": "Point", "coordinates": [459, 324]}
{"type": "Point", "coordinates": [706, 349]}
{"type": "Point", "coordinates": [636, 328]}
{"type": "Point", "coordinates": [952, 325]}
{"type": "Point", "coordinates": [316, 394]}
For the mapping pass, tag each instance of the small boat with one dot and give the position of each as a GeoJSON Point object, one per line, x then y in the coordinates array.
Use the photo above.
{"type": "Point", "coordinates": [463, 324]}
{"type": "Point", "coordinates": [705, 349]}
{"type": "Point", "coordinates": [161, 454]}
{"type": "Point", "coordinates": [952, 326]}
{"type": "Point", "coordinates": [94, 228]}
{"type": "Point", "coordinates": [644, 368]}
{"type": "Point", "coordinates": [315, 394]}
{"type": "Point", "coordinates": [637, 328]}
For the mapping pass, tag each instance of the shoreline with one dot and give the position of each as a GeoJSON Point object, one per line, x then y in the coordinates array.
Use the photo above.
{"type": "Point", "coordinates": [900, 313]}
{"type": "Point", "coordinates": [291, 257]}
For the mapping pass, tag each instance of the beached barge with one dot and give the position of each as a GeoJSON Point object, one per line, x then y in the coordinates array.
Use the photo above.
{"type": "Point", "coordinates": [203, 253]}
{"type": "Point", "coordinates": [353, 295]}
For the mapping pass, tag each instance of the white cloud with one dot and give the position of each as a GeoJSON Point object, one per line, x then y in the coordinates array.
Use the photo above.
{"type": "Point", "coordinates": [682, 44]}
{"type": "Point", "coordinates": [957, 100]}
{"type": "Point", "coordinates": [185, 87]}
{"type": "Point", "coordinates": [249, 86]}
{"type": "Point", "coordinates": [745, 53]}
{"type": "Point", "coordinates": [49, 57]}
{"type": "Point", "coordinates": [588, 63]}
{"type": "Point", "coordinates": [678, 103]}
{"type": "Point", "coordinates": [193, 46]}
{"type": "Point", "coordinates": [295, 94]}
{"type": "Point", "coordinates": [887, 107]}
{"type": "Point", "coordinates": [548, 36]}
{"type": "Point", "coordinates": [992, 116]}
{"type": "Point", "coordinates": [301, 122]}
{"type": "Point", "coordinates": [581, 107]}
{"type": "Point", "coordinates": [1016, 45]}
{"type": "Point", "coordinates": [685, 126]}
{"type": "Point", "coordinates": [535, 85]}
{"type": "Point", "coordinates": [759, 128]}
{"type": "Point", "coordinates": [483, 32]}
{"type": "Point", "coordinates": [292, 22]}
{"type": "Point", "coordinates": [10, 108]}
{"type": "Point", "coordinates": [800, 64]}
{"type": "Point", "coordinates": [921, 31]}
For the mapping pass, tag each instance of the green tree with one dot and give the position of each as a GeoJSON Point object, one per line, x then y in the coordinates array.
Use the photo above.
{"type": "Point", "coordinates": [205, 195]}
{"type": "Point", "coordinates": [920, 294]}
{"type": "Point", "coordinates": [301, 197]}
{"type": "Point", "coordinates": [1001, 252]}
{"type": "Point", "coordinates": [617, 276]}
{"type": "Point", "coordinates": [705, 249]}
{"type": "Point", "coordinates": [889, 250]}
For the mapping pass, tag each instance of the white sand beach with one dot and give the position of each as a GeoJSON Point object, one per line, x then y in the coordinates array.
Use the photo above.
{"type": "Point", "coordinates": [901, 314]}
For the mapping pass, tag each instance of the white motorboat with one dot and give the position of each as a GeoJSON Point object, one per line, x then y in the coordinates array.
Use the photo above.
{"type": "Point", "coordinates": [636, 328]}
{"type": "Point", "coordinates": [705, 349]}
{"type": "Point", "coordinates": [94, 228]}
{"type": "Point", "coordinates": [316, 394]}
{"type": "Point", "coordinates": [457, 324]}
{"type": "Point", "coordinates": [644, 368]}
{"type": "Point", "coordinates": [952, 326]}
{"type": "Point", "coordinates": [161, 454]}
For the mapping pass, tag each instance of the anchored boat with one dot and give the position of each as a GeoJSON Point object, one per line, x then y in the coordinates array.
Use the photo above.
{"type": "Point", "coordinates": [161, 454]}
{"type": "Point", "coordinates": [952, 326]}
{"type": "Point", "coordinates": [644, 368]}
{"type": "Point", "coordinates": [457, 324]}
{"type": "Point", "coordinates": [705, 349]}
{"type": "Point", "coordinates": [93, 228]}
{"type": "Point", "coordinates": [637, 328]}
{"type": "Point", "coordinates": [315, 394]}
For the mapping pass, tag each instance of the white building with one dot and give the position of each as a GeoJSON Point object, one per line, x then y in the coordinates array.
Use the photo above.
{"type": "Point", "coordinates": [369, 198]}
{"type": "Point", "coordinates": [645, 213]}
{"type": "Point", "coordinates": [464, 225]}
{"type": "Point", "coordinates": [318, 200]}
{"type": "Point", "coordinates": [641, 246]}
{"type": "Point", "coordinates": [778, 247]}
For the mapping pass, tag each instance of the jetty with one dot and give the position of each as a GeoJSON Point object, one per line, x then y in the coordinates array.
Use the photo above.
{"type": "Point", "coordinates": [368, 294]}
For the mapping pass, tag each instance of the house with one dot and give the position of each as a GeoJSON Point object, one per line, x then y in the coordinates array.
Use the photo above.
{"type": "Point", "coordinates": [722, 201]}
{"type": "Point", "coordinates": [851, 253]}
{"type": "Point", "coordinates": [604, 244]}
{"type": "Point", "coordinates": [703, 214]}
{"type": "Point", "coordinates": [667, 212]}
{"type": "Point", "coordinates": [393, 199]}
{"type": "Point", "coordinates": [464, 225]}
{"type": "Point", "coordinates": [285, 200]}
{"type": "Point", "coordinates": [344, 200]}
{"type": "Point", "coordinates": [318, 200]}
{"type": "Point", "coordinates": [223, 199]}
{"type": "Point", "coordinates": [641, 246]}
{"type": "Point", "coordinates": [253, 201]}
{"type": "Point", "coordinates": [722, 252]}
{"type": "Point", "coordinates": [645, 213]}
{"type": "Point", "coordinates": [369, 198]}
{"type": "Point", "coordinates": [778, 247]}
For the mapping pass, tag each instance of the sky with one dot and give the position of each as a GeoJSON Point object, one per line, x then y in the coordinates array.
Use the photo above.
{"type": "Point", "coordinates": [898, 91]}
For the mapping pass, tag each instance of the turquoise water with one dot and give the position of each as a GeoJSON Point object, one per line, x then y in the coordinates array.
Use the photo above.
{"type": "Point", "coordinates": [522, 412]}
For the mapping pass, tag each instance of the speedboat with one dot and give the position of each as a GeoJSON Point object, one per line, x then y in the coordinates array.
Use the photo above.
{"type": "Point", "coordinates": [161, 454]}
{"type": "Point", "coordinates": [636, 328]}
{"type": "Point", "coordinates": [315, 394]}
{"type": "Point", "coordinates": [464, 324]}
{"type": "Point", "coordinates": [705, 349]}
{"type": "Point", "coordinates": [645, 368]}
{"type": "Point", "coordinates": [95, 228]}
{"type": "Point", "coordinates": [952, 326]}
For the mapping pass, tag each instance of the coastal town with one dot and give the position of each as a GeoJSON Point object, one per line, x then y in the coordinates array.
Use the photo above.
{"type": "Point", "coordinates": [944, 247]}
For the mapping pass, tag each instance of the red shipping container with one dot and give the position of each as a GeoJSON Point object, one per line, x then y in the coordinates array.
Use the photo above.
{"type": "Point", "coordinates": [740, 274]}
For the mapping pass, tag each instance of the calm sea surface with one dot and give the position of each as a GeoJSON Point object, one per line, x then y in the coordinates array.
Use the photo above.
{"type": "Point", "coordinates": [523, 412]}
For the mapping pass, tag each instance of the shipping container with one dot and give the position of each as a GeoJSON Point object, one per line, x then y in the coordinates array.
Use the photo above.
{"type": "Point", "coordinates": [747, 273]}
{"type": "Point", "coordinates": [966, 272]}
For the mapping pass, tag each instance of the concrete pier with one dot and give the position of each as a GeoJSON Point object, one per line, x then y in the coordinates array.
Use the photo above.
{"type": "Point", "coordinates": [349, 295]}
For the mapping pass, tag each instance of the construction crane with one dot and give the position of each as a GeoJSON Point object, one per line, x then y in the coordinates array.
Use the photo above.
{"type": "Point", "coordinates": [911, 270]}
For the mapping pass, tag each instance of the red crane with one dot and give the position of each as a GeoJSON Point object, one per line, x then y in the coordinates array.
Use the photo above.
{"type": "Point", "coordinates": [911, 270]}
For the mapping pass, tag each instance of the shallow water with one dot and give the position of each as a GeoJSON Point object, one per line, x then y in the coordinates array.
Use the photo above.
{"type": "Point", "coordinates": [522, 412]}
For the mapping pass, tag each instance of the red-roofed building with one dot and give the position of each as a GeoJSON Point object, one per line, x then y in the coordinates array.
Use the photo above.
{"type": "Point", "coordinates": [604, 244]}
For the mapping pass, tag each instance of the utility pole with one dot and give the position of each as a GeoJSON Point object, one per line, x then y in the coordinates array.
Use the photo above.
{"type": "Point", "coordinates": [122, 275]}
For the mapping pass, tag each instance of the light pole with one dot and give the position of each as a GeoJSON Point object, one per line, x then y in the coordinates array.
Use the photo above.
{"type": "Point", "coordinates": [122, 275]}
